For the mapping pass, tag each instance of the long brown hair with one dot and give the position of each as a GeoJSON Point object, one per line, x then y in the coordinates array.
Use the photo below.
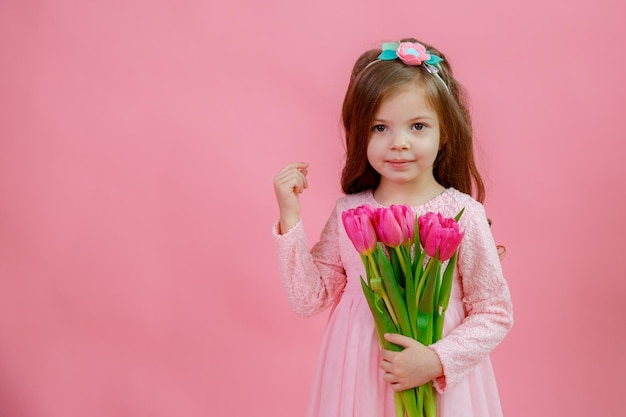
{"type": "Point", "coordinates": [370, 83]}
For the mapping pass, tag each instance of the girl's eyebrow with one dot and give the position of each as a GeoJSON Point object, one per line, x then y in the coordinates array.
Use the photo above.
{"type": "Point", "coordinates": [416, 118]}
{"type": "Point", "coordinates": [422, 117]}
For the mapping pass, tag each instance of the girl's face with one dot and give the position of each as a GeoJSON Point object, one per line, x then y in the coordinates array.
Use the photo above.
{"type": "Point", "coordinates": [404, 139]}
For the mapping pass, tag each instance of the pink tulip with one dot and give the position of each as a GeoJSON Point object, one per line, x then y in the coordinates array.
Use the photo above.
{"type": "Point", "coordinates": [439, 233]}
{"type": "Point", "coordinates": [394, 225]}
{"type": "Point", "coordinates": [360, 229]}
{"type": "Point", "coordinates": [407, 221]}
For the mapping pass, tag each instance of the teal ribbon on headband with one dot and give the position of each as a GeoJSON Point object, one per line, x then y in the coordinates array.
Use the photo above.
{"type": "Point", "coordinates": [414, 54]}
{"type": "Point", "coordinates": [390, 51]}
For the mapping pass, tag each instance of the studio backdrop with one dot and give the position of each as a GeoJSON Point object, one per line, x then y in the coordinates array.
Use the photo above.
{"type": "Point", "coordinates": [138, 142]}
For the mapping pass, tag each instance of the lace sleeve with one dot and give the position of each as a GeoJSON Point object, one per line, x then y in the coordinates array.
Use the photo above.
{"type": "Point", "coordinates": [487, 302]}
{"type": "Point", "coordinates": [313, 280]}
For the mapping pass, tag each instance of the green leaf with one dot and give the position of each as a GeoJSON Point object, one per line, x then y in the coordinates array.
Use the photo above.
{"type": "Point", "coordinates": [382, 319]}
{"type": "Point", "coordinates": [444, 296]}
{"type": "Point", "coordinates": [426, 306]}
{"type": "Point", "coordinates": [396, 266]}
{"type": "Point", "coordinates": [393, 291]}
{"type": "Point", "coordinates": [411, 304]}
{"type": "Point", "coordinates": [437, 289]}
{"type": "Point", "coordinates": [404, 257]}
{"type": "Point", "coordinates": [458, 216]}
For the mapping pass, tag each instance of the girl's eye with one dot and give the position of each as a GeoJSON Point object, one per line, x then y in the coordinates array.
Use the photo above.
{"type": "Point", "coordinates": [419, 126]}
{"type": "Point", "coordinates": [379, 128]}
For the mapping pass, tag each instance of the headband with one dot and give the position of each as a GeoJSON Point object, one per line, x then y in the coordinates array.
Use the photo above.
{"type": "Point", "coordinates": [413, 54]}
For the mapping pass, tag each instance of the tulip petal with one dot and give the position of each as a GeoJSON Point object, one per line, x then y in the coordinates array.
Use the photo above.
{"type": "Point", "coordinates": [359, 228]}
{"type": "Point", "coordinates": [387, 227]}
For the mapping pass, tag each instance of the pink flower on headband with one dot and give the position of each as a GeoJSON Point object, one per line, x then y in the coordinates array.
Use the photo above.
{"type": "Point", "coordinates": [412, 53]}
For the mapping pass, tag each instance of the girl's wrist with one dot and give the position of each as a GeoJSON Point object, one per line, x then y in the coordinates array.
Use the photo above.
{"type": "Point", "coordinates": [436, 365]}
{"type": "Point", "coordinates": [286, 223]}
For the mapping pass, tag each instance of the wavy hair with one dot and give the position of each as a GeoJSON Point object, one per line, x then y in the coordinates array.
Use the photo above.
{"type": "Point", "coordinates": [370, 83]}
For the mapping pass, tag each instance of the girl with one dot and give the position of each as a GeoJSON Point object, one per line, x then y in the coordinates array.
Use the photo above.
{"type": "Point", "coordinates": [408, 141]}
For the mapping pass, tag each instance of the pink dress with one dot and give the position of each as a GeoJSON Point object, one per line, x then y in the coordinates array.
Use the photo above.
{"type": "Point", "coordinates": [348, 381]}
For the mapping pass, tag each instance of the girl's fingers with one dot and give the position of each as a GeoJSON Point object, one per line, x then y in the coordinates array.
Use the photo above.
{"type": "Point", "coordinates": [297, 165]}
{"type": "Point", "coordinates": [294, 166]}
{"type": "Point", "coordinates": [290, 182]}
{"type": "Point", "coordinates": [292, 178]}
{"type": "Point", "coordinates": [400, 340]}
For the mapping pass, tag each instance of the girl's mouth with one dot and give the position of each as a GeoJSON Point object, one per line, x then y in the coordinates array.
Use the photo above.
{"type": "Point", "coordinates": [399, 163]}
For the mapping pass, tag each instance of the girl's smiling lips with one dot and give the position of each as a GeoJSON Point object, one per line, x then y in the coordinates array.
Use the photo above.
{"type": "Point", "coordinates": [399, 163]}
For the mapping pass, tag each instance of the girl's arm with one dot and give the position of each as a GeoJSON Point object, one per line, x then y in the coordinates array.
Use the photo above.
{"type": "Point", "coordinates": [487, 302]}
{"type": "Point", "coordinates": [313, 280]}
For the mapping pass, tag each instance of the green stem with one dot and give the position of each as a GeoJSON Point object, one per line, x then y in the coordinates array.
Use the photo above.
{"type": "Point", "coordinates": [392, 313]}
{"type": "Point", "coordinates": [430, 400]}
{"type": "Point", "coordinates": [397, 397]}
{"type": "Point", "coordinates": [409, 399]}
{"type": "Point", "coordinates": [373, 267]}
{"type": "Point", "coordinates": [422, 281]}
{"type": "Point", "coordinates": [402, 260]}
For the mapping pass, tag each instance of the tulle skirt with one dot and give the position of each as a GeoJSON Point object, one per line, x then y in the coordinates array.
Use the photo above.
{"type": "Point", "coordinates": [348, 381]}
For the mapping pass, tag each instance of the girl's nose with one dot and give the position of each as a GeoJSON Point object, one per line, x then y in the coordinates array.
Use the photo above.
{"type": "Point", "coordinates": [400, 143]}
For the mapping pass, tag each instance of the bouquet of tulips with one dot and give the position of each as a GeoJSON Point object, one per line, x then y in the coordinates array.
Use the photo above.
{"type": "Point", "coordinates": [405, 289]}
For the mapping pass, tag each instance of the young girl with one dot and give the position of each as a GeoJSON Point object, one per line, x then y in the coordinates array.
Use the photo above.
{"type": "Point", "coordinates": [408, 141]}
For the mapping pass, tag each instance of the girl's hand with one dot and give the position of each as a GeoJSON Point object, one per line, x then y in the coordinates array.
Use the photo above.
{"type": "Point", "coordinates": [412, 367]}
{"type": "Point", "coordinates": [288, 184]}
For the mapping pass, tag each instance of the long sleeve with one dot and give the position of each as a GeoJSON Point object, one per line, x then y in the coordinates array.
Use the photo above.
{"type": "Point", "coordinates": [313, 280]}
{"type": "Point", "coordinates": [487, 302]}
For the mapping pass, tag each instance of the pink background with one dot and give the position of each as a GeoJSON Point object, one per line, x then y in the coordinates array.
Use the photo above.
{"type": "Point", "coordinates": [138, 142]}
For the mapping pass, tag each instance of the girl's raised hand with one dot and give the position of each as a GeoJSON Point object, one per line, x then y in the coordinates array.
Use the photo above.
{"type": "Point", "coordinates": [414, 366]}
{"type": "Point", "coordinates": [288, 184]}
